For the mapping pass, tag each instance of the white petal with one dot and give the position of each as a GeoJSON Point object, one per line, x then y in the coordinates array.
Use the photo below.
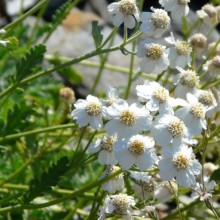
{"type": "Point", "coordinates": [167, 171]}
{"type": "Point", "coordinates": [129, 22]}
{"type": "Point", "coordinates": [126, 159]}
{"type": "Point", "coordinates": [118, 19]}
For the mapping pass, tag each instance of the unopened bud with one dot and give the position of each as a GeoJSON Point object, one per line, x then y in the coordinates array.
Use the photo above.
{"type": "Point", "coordinates": [67, 95]}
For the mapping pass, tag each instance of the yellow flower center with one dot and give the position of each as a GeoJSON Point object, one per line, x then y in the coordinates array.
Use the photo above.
{"type": "Point", "coordinates": [154, 51]}
{"type": "Point", "coordinates": [189, 78]}
{"type": "Point", "coordinates": [121, 203]}
{"type": "Point", "coordinates": [93, 108]}
{"type": "Point", "coordinates": [107, 143]}
{"type": "Point", "coordinates": [216, 61]}
{"type": "Point", "coordinates": [183, 48]}
{"type": "Point", "coordinates": [198, 40]}
{"type": "Point", "coordinates": [197, 110]}
{"type": "Point", "coordinates": [181, 161]}
{"type": "Point", "coordinates": [127, 7]}
{"type": "Point", "coordinates": [136, 147]}
{"type": "Point", "coordinates": [161, 94]}
{"type": "Point", "coordinates": [127, 118]}
{"type": "Point", "coordinates": [160, 19]}
{"type": "Point", "coordinates": [176, 127]}
{"type": "Point", "coordinates": [206, 98]}
{"type": "Point", "coordinates": [210, 10]}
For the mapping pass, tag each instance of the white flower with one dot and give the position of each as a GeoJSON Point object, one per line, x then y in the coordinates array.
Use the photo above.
{"type": "Point", "coordinates": [209, 168]}
{"type": "Point", "coordinates": [187, 81]}
{"type": "Point", "coordinates": [112, 96]}
{"type": "Point", "coordinates": [165, 190]}
{"type": "Point", "coordinates": [179, 55]}
{"type": "Point", "coordinates": [118, 204]}
{"type": "Point", "coordinates": [203, 189]}
{"type": "Point", "coordinates": [178, 8]}
{"type": "Point", "coordinates": [155, 56]}
{"type": "Point", "coordinates": [124, 11]}
{"type": "Point", "coordinates": [208, 14]}
{"type": "Point", "coordinates": [207, 98]}
{"type": "Point", "coordinates": [213, 65]}
{"type": "Point", "coordinates": [88, 111]}
{"type": "Point", "coordinates": [156, 97]}
{"type": "Point", "coordinates": [193, 115]}
{"type": "Point", "coordinates": [114, 184]}
{"type": "Point", "coordinates": [105, 147]}
{"type": "Point", "coordinates": [167, 129]}
{"type": "Point", "coordinates": [143, 185]}
{"type": "Point", "coordinates": [180, 163]}
{"type": "Point", "coordinates": [137, 150]}
{"type": "Point", "coordinates": [127, 120]}
{"type": "Point", "coordinates": [198, 42]}
{"type": "Point", "coordinates": [155, 23]}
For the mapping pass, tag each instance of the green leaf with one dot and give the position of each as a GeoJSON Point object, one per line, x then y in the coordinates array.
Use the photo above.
{"type": "Point", "coordinates": [6, 106]}
{"type": "Point", "coordinates": [31, 60]}
{"type": "Point", "coordinates": [13, 43]}
{"type": "Point", "coordinates": [47, 180]}
{"type": "Point", "coordinates": [215, 175]}
{"type": "Point", "coordinates": [96, 33]}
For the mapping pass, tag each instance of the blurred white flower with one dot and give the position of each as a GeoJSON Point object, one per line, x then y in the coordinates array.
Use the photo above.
{"type": "Point", "coordinates": [154, 56]}
{"type": "Point", "coordinates": [127, 120]}
{"type": "Point", "coordinates": [213, 66]}
{"type": "Point", "coordinates": [143, 186]}
{"type": "Point", "coordinates": [198, 42]}
{"type": "Point", "coordinates": [180, 163]}
{"type": "Point", "coordinates": [178, 8]}
{"type": "Point", "coordinates": [124, 11]}
{"type": "Point", "coordinates": [104, 146]}
{"type": "Point", "coordinates": [114, 184]}
{"type": "Point", "coordinates": [156, 97]}
{"type": "Point", "coordinates": [165, 190]}
{"type": "Point", "coordinates": [155, 23]}
{"type": "Point", "coordinates": [193, 115]}
{"type": "Point", "coordinates": [187, 81]}
{"type": "Point", "coordinates": [180, 53]}
{"type": "Point", "coordinates": [118, 204]}
{"type": "Point", "coordinates": [203, 189]}
{"type": "Point", "coordinates": [208, 14]}
{"type": "Point", "coordinates": [137, 150]}
{"type": "Point", "coordinates": [88, 112]}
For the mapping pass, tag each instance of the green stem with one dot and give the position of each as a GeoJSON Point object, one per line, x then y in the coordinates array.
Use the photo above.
{"type": "Point", "coordinates": [130, 72]}
{"type": "Point", "coordinates": [24, 16]}
{"type": "Point", "coordinates": [37, 131]}
{"type": "Point", "coordinates": [59, 200]}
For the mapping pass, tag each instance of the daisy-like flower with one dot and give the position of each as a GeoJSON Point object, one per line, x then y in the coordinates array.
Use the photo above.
{"type": "Point", "coordinates": [155, 56]}
{"type": "Point", "coordinates": [112, 96]}
{"type": "Point", "coordinates": [193, 115]}
{"type": "Point", "coordinates": [213, 65]}
{"type": "Point", "coordinates": [179, 163]}
{"type": "Point", "coordinates": [155, 23]}
{"type": "Point", "coordinates": [203, 190]}
{"type": "Point", "coordinates": [88, 112]}
{"type": "Point", "coordinates": [137, 150]}
{"type": "Point", "coordinates": [156, 97]}
{"type": "Point", "coordinates": [178, 8]}
{"type": "Point", "coordinates": [207, 99]}
{"type": "Point", "coordinates": [118, 204]}
{"type": "Point", "coordinates": [143, 185]}
{"type": "Point", "coordinates": [179, 54]}
{"type": "Point", "coordinates": [198, 42]}
{"type": "Point", "coordinates": [114, 184]}
{"type": "Point", "coordinates": [127, 120]}
{"type": "Point", "coordinates": [104, 146]}
{"type": "Point", "coordinates": [167, 129]}
{"type": "Point", "coordinates": [165, 190]}
{"type": "Point", "coordinates": [186, 81]}
{"type": "Point", "coordinates": [208, 14]}
{"type": "Point", "coordinates": [124, 11]}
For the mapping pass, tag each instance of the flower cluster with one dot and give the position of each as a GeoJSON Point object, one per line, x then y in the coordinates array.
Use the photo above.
{"type": "Point", "coordinates": [153, 139]}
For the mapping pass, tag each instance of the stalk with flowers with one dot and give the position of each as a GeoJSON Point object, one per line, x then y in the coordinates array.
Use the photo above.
{"type": "Point", "coordinates": [113, 158]}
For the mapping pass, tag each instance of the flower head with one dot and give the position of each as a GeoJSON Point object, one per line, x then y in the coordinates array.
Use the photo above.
{"type": "Point", "coordinates": [180, 163]}
{"type": "Point", "coordinates": [154, 56]}
{"type": "Point", "coordinates": [124, 11]}
{"type": "Point", "coordinates": [126, 120]}
{"type": "Point", "coordinates": [155, 23]}
{"type": "Point", "coordinates": [88, 111]}
{"type": "Point", "coordinates": [198, 42]}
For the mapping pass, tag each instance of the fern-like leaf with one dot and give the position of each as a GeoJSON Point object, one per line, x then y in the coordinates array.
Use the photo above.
{"type": "Point", "coordinates": [31, 60]}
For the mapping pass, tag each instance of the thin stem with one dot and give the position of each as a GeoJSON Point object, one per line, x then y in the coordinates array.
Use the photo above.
{"type": "Point", "coordinates": [24, 16]}
{"type": "Point", "coordinates": [59, 200]}
{"type": "Point", "coordinates": [125, 34]}
{"type": "Point", "coordinates": [37, 131]}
